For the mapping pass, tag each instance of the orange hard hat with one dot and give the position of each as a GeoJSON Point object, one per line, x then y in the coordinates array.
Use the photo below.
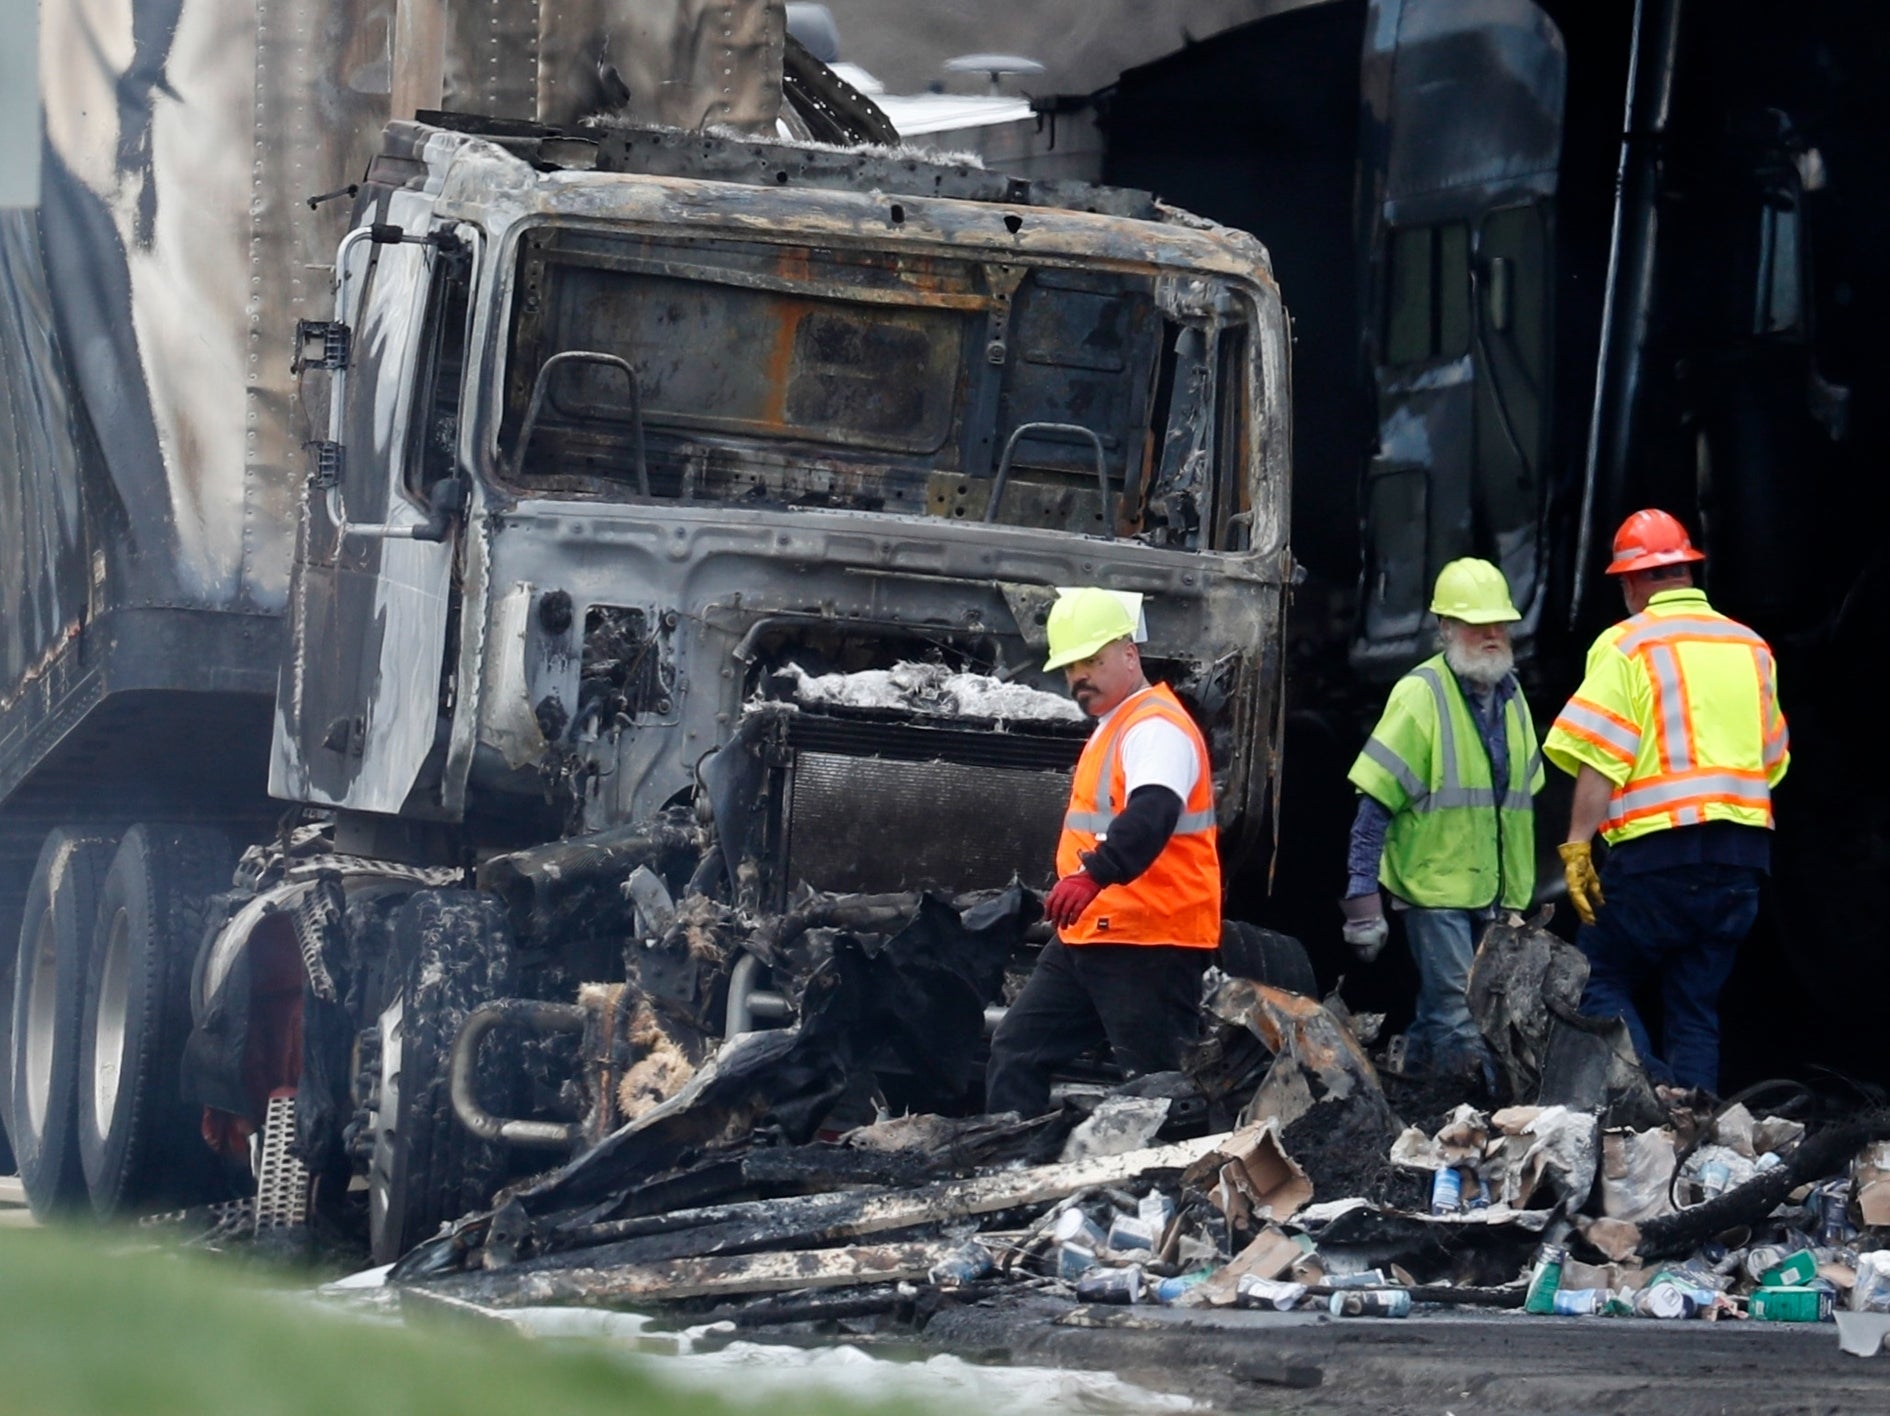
{"type": "Point", "coordinates": [1651, 538]}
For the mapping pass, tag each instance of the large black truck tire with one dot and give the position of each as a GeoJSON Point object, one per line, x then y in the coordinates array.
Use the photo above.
{"type": "Point", "coordinates": [139, 1141]}
{"type": "Point", "coordinates": [452, 952]}
{"type": "Point", "coordinates": [43, 1019]}
{"type": "Point", "coordinates": [13, 882]}
{"type": "Point", "coordinates": [1266, 956]}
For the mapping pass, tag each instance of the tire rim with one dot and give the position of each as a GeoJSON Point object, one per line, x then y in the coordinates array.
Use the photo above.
{"type": "Point", "coordinates": [108, 1037]}
{"type": "Point", "coordinates": [42, 1025]}
{"type": "Point", "coordinates": [386, 1112]}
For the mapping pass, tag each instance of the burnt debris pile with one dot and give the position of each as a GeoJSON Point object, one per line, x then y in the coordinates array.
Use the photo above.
{"type": "Point", "coordinates": [773, 1177]}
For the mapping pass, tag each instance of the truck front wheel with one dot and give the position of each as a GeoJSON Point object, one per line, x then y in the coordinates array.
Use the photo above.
{"type": "Point", "coordinates": [453, 951]}
{"type": "Point", "coordinates": [49, 973]}
{"type": "Point", "coordinates": [139, 1141]}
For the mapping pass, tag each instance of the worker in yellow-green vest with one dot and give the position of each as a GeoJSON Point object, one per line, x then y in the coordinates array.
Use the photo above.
{"type": "Point", "coordinates": [1675, 740]}
{"type": "Point", "coordinates": [1446, 811]}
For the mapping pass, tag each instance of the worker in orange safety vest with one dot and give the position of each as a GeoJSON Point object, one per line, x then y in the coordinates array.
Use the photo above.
{"type": "Point", "coordinates": [1137, 903]}
{"type": "Point", "coordinates": [1676, 740]}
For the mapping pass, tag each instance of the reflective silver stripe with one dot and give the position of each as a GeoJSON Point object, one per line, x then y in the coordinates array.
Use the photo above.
{"type": "Point", "coordinates": [1685, 627]}
{"type": "Point", "coordinates": [1451, 792]}
{"type": "Point", "coordinates": [1105, 794]}
{"type": "Point", "coordinates": [1778, 739]}
{"type": "Point", "coordinates": [1688, 816]}
{"type": "Point", "coordinates": [1694, 784]}
{"type": "Point", "coordinates": [1446, 730]}
{"type": "Point", "coordinates": [1398, 767]}
{"type": "Point", "coordinates": [1444, 798]}
{"type": "Point", "coordinates": [1678, 747]}
{"type": "Point", "coordinates": [1529, 773]}
{"type": "Point", "coordinates": [1577, 714]}
{"type": "Point", "coordinates": [1779, 747]}
{"type": "Point", "coordinates": [1097, 823]}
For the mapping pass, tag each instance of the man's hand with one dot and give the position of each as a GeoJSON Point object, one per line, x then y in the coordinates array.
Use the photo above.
{"type": "Point", "coordinates": [1584, 886]}
{"type": "Point", "coordinates": [1069, 897]}
{"type": "Point", "coordinates": [1365, 928]}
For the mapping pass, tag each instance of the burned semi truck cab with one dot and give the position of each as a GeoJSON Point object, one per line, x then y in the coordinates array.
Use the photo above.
{"type": "Point", "coordinates": [632, 430]}
{"type": "Point", "coordinates": [674, 562]}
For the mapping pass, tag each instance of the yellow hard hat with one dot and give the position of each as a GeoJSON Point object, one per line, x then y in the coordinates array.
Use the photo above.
{"type": "Point", "coordinates": [1473, 591]}
{"type": "Point", "coordinates": [1087, 617]}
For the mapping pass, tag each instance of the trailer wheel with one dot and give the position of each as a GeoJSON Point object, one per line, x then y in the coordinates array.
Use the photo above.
{"type": "Point", "coordinates": [12, 898]}
{"type": "Point", "coordinates": [454, 948]}
{"type": "Point", "coordinates": [139, 1140]}
{"type": "Point", "coordinates": [49, 974]}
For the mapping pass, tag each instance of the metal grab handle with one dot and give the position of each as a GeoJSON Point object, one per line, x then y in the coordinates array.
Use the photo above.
{"type": "Point", "coordinates": [1010, 446]}
{"type": "Point", "coordinates": [542, 383]}
{"type": "Point", "coordinates": [505, 1130]}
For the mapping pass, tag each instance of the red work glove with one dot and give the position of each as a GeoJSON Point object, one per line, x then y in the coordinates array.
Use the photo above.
{"type": "Point", "coordinates": [1069, 897]}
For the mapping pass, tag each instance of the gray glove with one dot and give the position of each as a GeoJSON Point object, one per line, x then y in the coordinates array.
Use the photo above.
{"type": "Point", "coordinates": [1365, 927]}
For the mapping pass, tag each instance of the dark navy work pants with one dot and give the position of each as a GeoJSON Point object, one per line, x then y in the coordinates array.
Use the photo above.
{"type": "Point", "coordinates": [1144, 1000]}
{"type": "Point", "coordinates": [1681, 927]}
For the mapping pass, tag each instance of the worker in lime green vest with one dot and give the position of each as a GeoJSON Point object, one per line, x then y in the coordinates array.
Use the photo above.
{"type": "Point", "coordinates": [1446, 811]}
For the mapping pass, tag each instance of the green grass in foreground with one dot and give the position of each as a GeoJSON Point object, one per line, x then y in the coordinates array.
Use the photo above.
{"type": "Point", "coordinates": [84, 1330]}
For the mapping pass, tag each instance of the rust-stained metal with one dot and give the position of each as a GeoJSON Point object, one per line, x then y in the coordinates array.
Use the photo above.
{"type": "Point", "coordinates": [510, 1013]}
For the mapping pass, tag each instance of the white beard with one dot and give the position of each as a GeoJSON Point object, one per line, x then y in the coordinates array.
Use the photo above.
{"type": "Point", "coordinates": [1483, 667]}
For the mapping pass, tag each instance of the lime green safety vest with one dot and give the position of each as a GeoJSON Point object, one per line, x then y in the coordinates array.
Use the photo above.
{"type": "Point", "coordinates": [1454, 841]}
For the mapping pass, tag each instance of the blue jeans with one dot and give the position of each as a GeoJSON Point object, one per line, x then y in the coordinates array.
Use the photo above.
{"type": "Point", "coordinates": [1443, 1036]}
{"type": "Point", "coordinates": [1682, 926]}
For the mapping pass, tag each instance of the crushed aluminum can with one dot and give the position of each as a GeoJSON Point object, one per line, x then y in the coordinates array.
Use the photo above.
{"type": "Point", "coordinates": [1714, 1177]}
{"type": "Point", "coordinates": [1761, 1258]}
{"type": "Point", "coordinates": [1833, 1201]}
{"type": "Point", "coordinates": [1664, 1300]}
{"type": "Point", "coordinates": [1370, 1303]}
{"type": "Point", "coordinates": [1074, 1260]}
{"type": "Point", "coordinates": [1371, 1278]}
{"type": "Point", "coordinates": [1793, 1271]}
{"type": "Point", "coordinates": [1580, 1302]}
{"type": "Point", "coordinates": [1156, 1210]}
{"type": "Point", "coordinates": [1075, 1227]}
{"type": "Point", "coordinates": [1129, 1232]}
{"type": "Point", "coordinates": [1446, 1190]}
{"type": "Point", "coordinates": [1110, 1285]}
{"type": "Point", "coordinates": [968, 1262]}
{"type": "Point", "coordinates": [1169, 1289]}
{"type": "Point", "coordinates": [1255, 1292]}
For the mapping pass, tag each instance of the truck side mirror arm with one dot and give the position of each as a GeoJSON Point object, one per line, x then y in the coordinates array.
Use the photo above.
{"type": "Point", "coordinates": [446, 502]}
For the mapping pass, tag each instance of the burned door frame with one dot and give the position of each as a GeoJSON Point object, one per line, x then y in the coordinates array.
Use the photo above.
{"type": "Point", "coordinates": [373, 601]}
{"type": "Point", "coordinates": [1457, 417]}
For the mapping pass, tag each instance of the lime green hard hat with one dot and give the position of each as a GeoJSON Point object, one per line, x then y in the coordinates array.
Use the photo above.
{"type": "Point", "coordinates": [1087, 617]}
{"type": "Point", "coordinates": [1473, 591]}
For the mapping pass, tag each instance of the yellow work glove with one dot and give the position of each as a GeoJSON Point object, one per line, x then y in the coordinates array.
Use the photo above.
{"type": "Point", "coordinates": [1584, 886]}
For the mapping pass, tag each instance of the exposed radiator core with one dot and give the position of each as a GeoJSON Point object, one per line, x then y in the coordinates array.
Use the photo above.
{"type": "Point", "coordinates": [877, 806]}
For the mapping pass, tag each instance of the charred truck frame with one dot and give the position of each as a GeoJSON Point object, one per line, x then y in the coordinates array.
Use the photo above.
{"type": "Point", "coordinates": [619, 440]}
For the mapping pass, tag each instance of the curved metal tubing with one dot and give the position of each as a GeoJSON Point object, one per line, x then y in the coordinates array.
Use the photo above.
{"type": "Point", "coordinates": [526, 1013]}
{"type": "Point", "coordinates": [542, 383]}
{"type": "Point", "coordinates": [746, 1003]}
{"type": "Point", "coordinates": [1010, 446]}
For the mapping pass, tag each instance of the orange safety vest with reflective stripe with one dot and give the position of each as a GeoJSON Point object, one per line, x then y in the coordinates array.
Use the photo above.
{"type": "Point", "coordinates": [1679, 710]}
{"type": "Point", "coordinates": [1177, 900]}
